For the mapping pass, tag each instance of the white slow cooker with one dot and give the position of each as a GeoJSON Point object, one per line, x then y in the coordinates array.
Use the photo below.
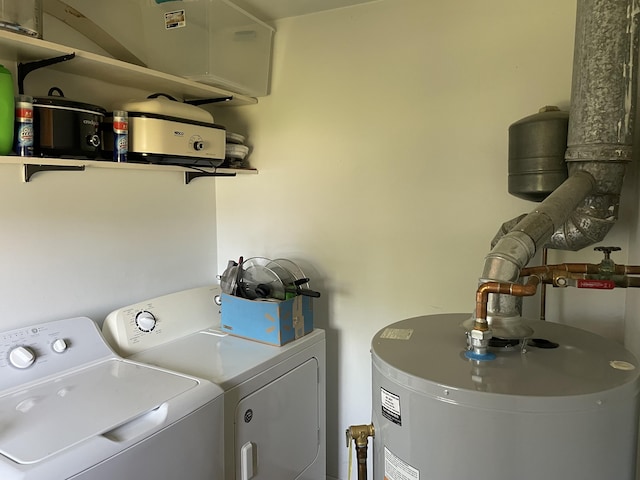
{"type": "Point", "coordinates": [164, 130]}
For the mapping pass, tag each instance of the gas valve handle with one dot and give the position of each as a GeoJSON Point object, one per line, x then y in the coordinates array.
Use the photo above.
{"type": "Point", "coordinates": [607, 251]}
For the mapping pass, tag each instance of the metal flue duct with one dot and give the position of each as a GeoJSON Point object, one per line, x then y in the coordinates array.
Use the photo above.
{"type": "Point", "coordinates": [582, 210]}
{"type": "Point", "coordinates": [603, 99]}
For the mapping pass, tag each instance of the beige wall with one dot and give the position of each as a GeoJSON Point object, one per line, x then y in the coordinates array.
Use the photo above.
{"type": "Point", "coordinates": [382, 152]}
{"type": "Point", "coordinates": [86, 243]}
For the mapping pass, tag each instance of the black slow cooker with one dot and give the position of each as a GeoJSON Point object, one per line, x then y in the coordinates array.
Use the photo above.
{"type": "Point", "coordinates": [64, 128]}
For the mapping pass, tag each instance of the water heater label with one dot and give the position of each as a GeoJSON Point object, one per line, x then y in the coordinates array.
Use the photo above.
{"type": "Point", "coordinates": [397, 333]}
{"type": "Point", "coordinates": [390, 406]}
{"type": "Point", "coordinates": [396, 469]}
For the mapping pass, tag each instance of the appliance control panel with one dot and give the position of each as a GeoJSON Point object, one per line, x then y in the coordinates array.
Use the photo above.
{"type": "Point", "coordinates": [147, 324]}
{"type": "Point", "coordinates": [38, 351]}
{"type": "Point", "coordinates": [165, 137]}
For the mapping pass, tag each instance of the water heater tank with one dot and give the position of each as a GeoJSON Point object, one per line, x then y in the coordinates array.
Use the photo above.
{"type": "Point", "coordinates": [564, 406]}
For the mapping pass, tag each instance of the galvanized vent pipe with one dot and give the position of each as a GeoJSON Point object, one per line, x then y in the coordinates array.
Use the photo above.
{"type": "Point", "coordinates": [601, 120]}
{"type": "Point", "coordinates": [582, 210]}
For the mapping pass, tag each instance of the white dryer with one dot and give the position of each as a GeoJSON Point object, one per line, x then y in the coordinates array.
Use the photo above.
{"type": "Point", "coordinates": [274, 397]}
{"type": "Point", "coordinates": [70, 408]}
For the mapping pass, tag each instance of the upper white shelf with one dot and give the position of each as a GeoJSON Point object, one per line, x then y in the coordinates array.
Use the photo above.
{"type": "Point", "coordinates": [21, 48]}
{"type": "Point", "coordinates": [33, 165]}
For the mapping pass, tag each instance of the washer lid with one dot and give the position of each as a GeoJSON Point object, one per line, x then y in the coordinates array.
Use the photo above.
{"type": "Point", "coordinates": [40, 421]}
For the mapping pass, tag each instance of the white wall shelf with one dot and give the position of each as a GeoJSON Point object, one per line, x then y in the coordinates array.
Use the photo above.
{"type": "Point", "coordinates": [21, 48]}
{"type": "Point", "coordinates": [33, 165]}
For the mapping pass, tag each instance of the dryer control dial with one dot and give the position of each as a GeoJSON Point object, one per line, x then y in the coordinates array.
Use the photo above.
{"type": "Point", "coordinates": [21, 357]}
{"type": "Point", "coordinates": [145, 321]}
{"type": "Point", "coordinates": [59, 345]}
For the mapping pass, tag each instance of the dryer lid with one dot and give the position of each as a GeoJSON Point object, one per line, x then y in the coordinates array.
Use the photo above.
{"type": "Point", "coordinates": [44, 419]}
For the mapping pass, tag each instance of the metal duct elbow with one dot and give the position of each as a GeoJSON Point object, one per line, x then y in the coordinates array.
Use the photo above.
{"type": "Point", "coordinates": [590, 221]}
{"type": "Point", "coordinates": [583, 209]}
{"type": "Point", "coordinates": [603, 99]}
{"type": "Point", "coordinates": [514, 250]}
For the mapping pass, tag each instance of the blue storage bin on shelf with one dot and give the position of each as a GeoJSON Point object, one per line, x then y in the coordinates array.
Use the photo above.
{"type": "Point", "coordinates": [267, 321]}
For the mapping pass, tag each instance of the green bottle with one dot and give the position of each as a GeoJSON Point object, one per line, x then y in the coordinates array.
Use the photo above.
{"type": "Point", "coordinates": [7, 111]}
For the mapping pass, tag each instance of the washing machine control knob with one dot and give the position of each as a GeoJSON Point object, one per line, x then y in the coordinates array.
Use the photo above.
{"type": "Point", "coordinates": [145, 321]}
{"type": "Point", "coordinates": [21, 357]}
{"type": "Point", "coordinates": [59, 345]}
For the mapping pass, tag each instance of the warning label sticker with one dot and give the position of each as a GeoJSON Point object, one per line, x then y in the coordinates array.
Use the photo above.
{"type": "Point", "coordinates": [396, 469]}
{"type": "Point", "coordinates": [397, 333]}
{"type": "Point", "coordinates": [390, 406]}
{"type": "Point", "coordinates": [175, 19]}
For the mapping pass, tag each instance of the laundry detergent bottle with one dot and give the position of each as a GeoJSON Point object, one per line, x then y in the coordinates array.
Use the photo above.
{"type": "Point", "coordinates": [7, 111]}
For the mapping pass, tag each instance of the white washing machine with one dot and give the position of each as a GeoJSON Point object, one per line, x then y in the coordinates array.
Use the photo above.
{"type": "Point", "coordinates": [70, 408]}
{"type": "Point", "coordinates": [274, 397]}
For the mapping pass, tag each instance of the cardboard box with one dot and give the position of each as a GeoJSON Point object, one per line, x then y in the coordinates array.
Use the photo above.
{"type": "Point", "coordinates": [272, 322]}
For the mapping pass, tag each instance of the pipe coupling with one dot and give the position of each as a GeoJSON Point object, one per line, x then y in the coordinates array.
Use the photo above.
{"type": "Point", "coordinates": [479, 338]}
{"type": "Point", "coordinates": [511, 253]}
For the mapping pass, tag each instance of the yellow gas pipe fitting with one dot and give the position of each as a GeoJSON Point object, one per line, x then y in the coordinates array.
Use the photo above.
{"type": "Point", "coordinates": [360, 435]}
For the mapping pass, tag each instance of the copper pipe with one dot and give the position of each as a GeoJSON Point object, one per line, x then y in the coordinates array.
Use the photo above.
{"type": "Point", "coordinates": [515, 289]}
{"type": "Point", "coordinates": [578, 268]}
{"type": "Point", "coordinates": [565, 267]}
{"type": "Point", "coordinates": [544, 274]}
{"type": "Point", "coordinates": [361, 454]}
{"type": "Point", "coordinates": [360, 435]}
{"type": "Point", "coordinates": [620, 281]}
{"type": "Point", "coordinates": [628, 269]}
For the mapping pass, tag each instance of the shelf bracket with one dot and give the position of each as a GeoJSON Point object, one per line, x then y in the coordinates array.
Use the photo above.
{"type": "Point", "coordinates": [188, 176]}
{"type": "Point", "coordinates": [25, 68]}
{"type": "Point", "coordinates": [205, 101]}
{"type": "Point", "coordinates": [30, 169]}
